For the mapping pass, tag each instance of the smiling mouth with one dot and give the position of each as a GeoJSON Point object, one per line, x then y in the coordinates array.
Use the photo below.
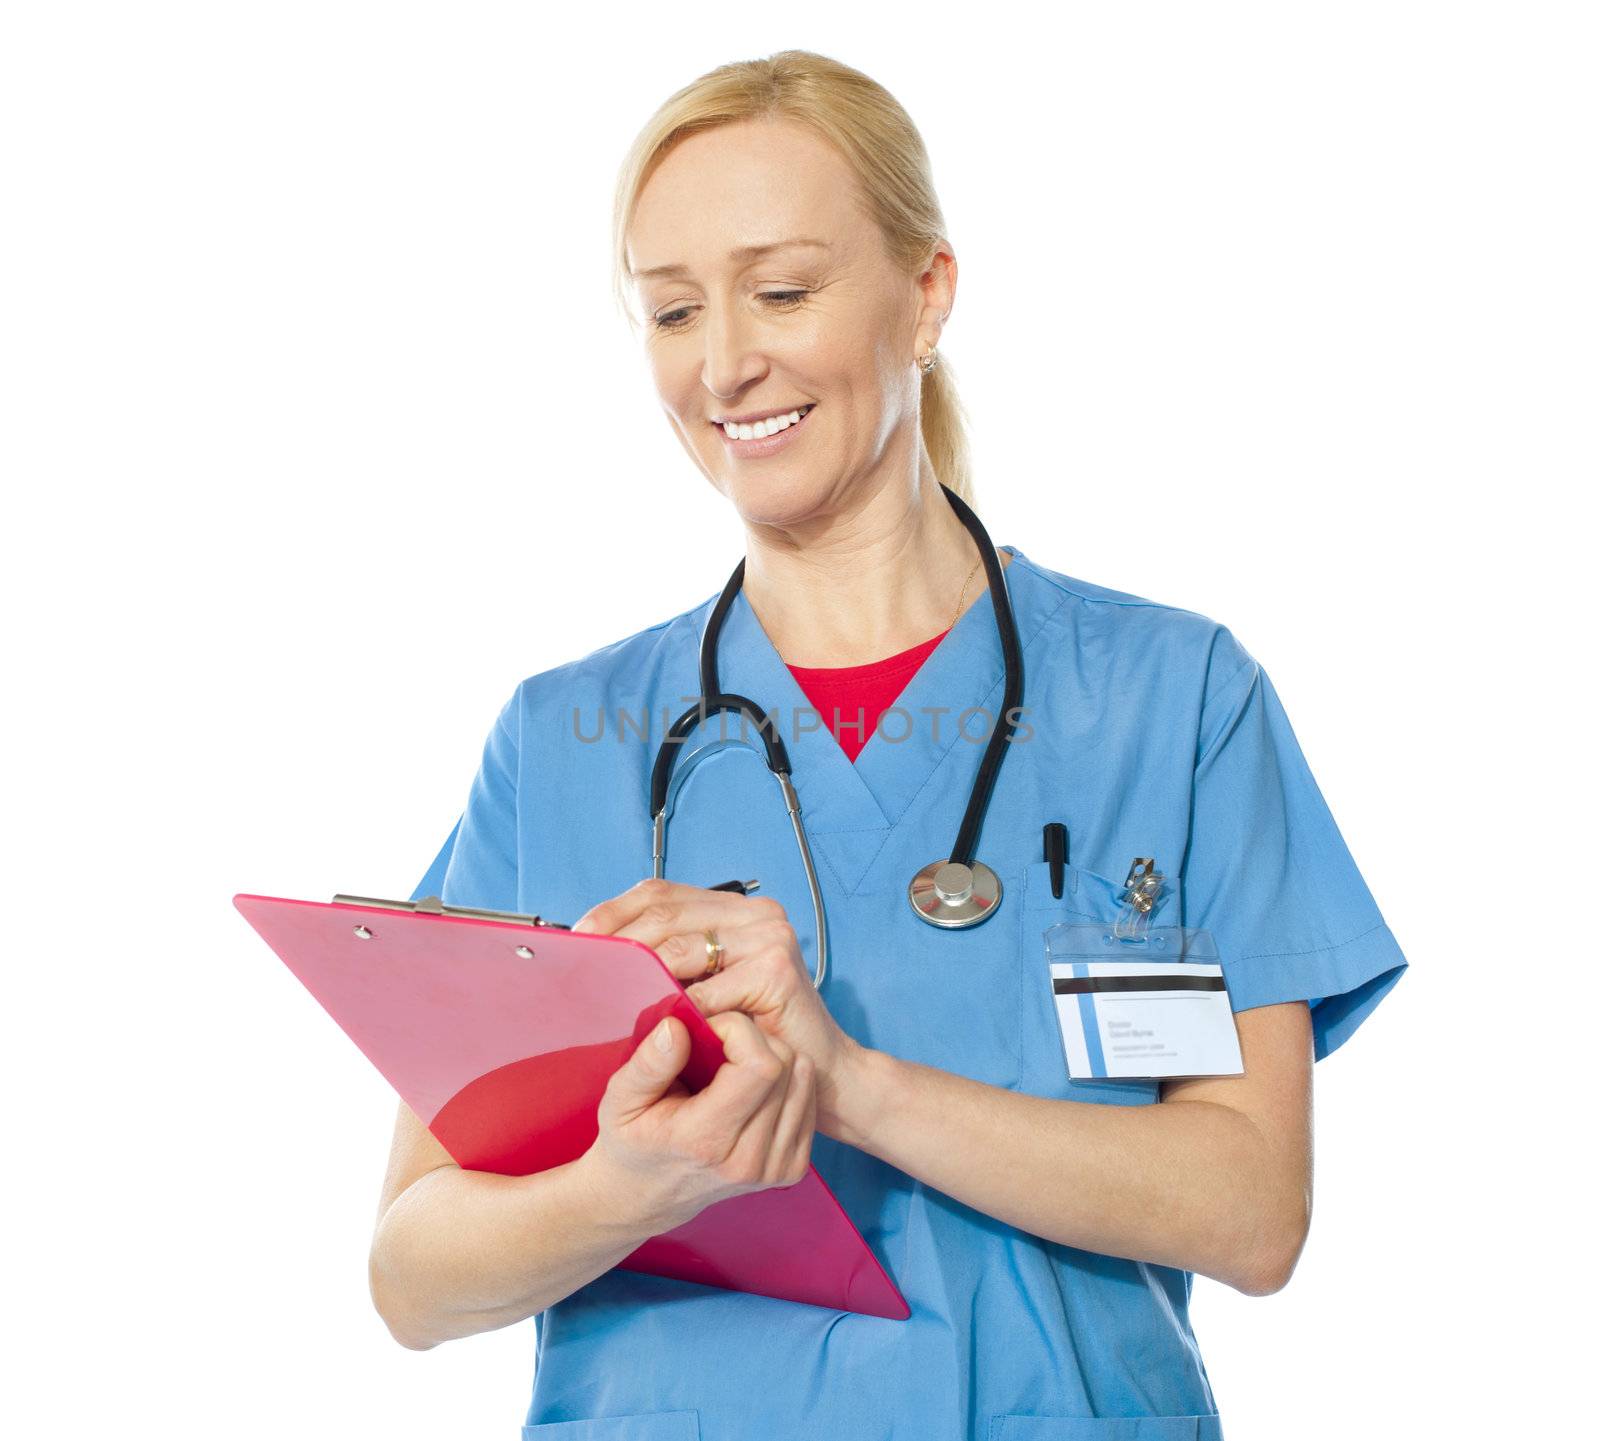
{"type": "Point", "coordinates": [804, 411]}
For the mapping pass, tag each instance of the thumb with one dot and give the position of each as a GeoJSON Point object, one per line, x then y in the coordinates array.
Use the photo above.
{"type": "Point", "coordinates": [651, 1069]}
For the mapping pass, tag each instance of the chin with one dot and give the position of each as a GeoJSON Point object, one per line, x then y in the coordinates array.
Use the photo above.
{"type": "Point", "coordinates": [780, 498]}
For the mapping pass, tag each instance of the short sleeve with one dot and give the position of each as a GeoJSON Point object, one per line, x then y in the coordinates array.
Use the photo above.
{"type": "Point", "coordinates": [1267, 871]}
{"type": "Point", "coordinates": [477, 865]}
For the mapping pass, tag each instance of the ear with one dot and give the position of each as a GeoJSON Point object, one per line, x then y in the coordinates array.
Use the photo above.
{"type": "Point", "coordinates": [937, 288]}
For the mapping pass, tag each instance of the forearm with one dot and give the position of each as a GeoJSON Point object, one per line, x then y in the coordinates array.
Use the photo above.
{"type": "Point", "coordinates": [1189, 1184]}
{"type": "Point", "coordinates": [459, 1252]}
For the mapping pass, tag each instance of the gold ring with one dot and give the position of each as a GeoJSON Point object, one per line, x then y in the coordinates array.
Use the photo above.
{"type": "Point", "coordinates": [714, 951]}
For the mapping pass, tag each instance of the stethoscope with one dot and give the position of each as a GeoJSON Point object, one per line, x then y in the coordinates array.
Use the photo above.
{"type": "Point", "coordinates": [952, 894]}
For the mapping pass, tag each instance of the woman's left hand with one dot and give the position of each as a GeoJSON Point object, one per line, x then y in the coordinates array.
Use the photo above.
{"type": "Point", "coordinates": [762, 974]}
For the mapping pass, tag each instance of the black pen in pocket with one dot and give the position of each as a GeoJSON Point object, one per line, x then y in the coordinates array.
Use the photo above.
{"type": "Point", "coordinates": [1055, 851]}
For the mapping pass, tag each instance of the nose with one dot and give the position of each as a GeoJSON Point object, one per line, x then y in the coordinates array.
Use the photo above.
{"type": "Point", "coordinates": [731, 362]}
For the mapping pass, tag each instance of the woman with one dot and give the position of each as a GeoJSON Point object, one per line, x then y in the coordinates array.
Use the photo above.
{"type": "Point", "coordinates": [777, 228]}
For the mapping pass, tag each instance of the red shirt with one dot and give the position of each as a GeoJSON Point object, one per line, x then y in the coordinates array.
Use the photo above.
{"type": "Point", "coordinates": [851, 698]}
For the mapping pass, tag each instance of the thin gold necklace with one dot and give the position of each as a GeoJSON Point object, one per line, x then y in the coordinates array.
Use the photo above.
{"type": "Point", "coordinates": [963, 596]}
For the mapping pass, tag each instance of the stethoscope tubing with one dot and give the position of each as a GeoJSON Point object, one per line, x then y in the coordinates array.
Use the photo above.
{"type": "Point", "coordinates": [1011, 650]}
{"type": "Point", "coordinates": [713, 701]}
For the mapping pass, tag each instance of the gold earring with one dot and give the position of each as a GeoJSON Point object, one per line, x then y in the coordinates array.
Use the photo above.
{"type": "Point", "coordinates": [929, 360]}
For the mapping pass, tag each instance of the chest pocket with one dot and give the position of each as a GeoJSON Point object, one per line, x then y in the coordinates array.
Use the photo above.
{"type": "Point", "coordinates": [1085, 896]}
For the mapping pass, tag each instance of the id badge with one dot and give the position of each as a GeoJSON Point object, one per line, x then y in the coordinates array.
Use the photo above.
{"type": "Point", "coordinates": [1154, 1007]}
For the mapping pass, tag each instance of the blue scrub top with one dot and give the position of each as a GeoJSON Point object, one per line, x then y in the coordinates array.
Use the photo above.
{"type": "Point", "coordinates": [1150, 731]}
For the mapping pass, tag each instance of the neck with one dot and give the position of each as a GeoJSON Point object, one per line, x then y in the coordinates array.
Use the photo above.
{"type": "Point", "coordinates": [864, 581]}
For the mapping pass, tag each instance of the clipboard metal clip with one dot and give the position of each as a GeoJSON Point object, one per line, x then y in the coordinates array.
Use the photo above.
{"type": "Point", "coordinates": [433, 906]}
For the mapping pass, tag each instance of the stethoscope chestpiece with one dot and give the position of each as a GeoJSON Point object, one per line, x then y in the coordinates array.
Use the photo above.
{"type": "Point", "coordinates": [949, 894]}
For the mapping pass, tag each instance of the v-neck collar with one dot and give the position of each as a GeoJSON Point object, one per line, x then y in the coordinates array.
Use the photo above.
{"type": "Point", "coordinates": [848, 807]}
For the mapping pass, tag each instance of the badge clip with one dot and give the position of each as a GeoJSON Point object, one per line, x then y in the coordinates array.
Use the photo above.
{"type": "Point", "coordinates": [1143, 888]}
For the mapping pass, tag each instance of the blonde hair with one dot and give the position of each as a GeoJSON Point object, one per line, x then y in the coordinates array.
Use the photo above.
{"type": "Point", "coordinates": [872, 132]}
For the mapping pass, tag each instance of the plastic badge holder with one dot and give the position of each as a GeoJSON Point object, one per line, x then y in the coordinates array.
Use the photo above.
{"type": "Point", "coordinates": [1146, 934]}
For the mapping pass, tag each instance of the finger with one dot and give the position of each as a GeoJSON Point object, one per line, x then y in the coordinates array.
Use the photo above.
{"type": "Point", "coordinates": [754, 985]}
{"type": "Point", "coordinates": [766, 1149]}
{"type": "Point", "coordinates": [687, 911]}
{"type": "Point", "coordinates": [602, 919]}
{"type": "Point", "coordinates": [780, 1048]}
{"type": "Point", "coordinates": [752, 1151]}
{"type": "Point", "coordinates": [743, 1082]}
{"type": "Point", "coordinates": [791, 1139]}
{"type": "Point", "coordinates": [742, 935]}
{"type": "Point", "coordinates": [610, 915]}
{"type": "Point", "coordinates": [650, 1071]}
{"type": "Point", "coordinates": [687, 954]}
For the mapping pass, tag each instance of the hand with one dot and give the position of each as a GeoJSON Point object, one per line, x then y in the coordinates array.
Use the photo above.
{"type": "Point", "coordinates": [763, 973]}
{"type": "Point", "coordinates": [666, 1155]}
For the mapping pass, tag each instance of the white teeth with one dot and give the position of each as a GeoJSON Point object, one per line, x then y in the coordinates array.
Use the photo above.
{"type": "Point", "coordinates": [760, 429]}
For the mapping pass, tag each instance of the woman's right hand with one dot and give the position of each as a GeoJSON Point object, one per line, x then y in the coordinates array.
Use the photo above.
{"type": "Point", "coordinates": [669, 1153]}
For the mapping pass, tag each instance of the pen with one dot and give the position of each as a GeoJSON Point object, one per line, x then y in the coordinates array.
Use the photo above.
{"type": "Point", "coordinates": [743, 887]}
{"type": "Point", "coordinates": [1055, 851]}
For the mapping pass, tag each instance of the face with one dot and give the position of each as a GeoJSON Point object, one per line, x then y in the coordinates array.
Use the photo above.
{"type": "Point", "coordinates": [734, 333]}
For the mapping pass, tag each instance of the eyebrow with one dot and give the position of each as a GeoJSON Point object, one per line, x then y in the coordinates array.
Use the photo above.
{"type": "Point", "coordinates": [743, 252]}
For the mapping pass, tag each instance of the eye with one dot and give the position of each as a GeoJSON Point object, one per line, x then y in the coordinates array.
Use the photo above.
{"type": "Point", "coordinates": [780, 299]}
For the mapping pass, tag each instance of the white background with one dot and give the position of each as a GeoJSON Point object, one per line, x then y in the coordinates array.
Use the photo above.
{"type": "Point", "coordinates": [320, 433]}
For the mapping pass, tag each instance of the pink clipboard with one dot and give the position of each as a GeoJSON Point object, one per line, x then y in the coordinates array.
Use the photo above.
{"type": "Point", "coordinates": [501, 1035]}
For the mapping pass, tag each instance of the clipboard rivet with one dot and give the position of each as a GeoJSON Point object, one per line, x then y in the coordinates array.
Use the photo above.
{"type": "Point", "coordinates": [363, 933]}
{"type": "Point", "coordinates": [525, 953]}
